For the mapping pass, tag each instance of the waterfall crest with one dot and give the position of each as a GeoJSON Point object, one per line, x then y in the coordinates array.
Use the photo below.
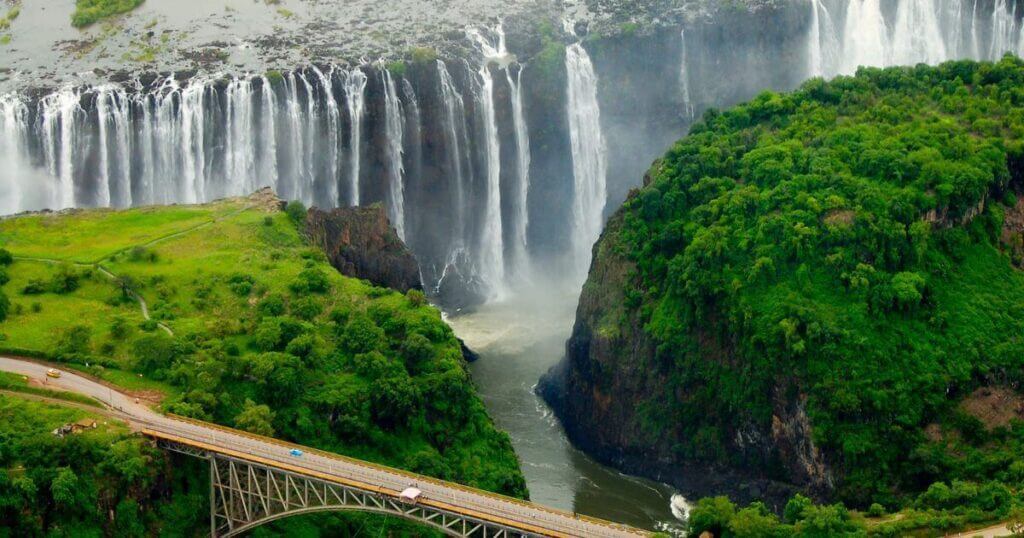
{"type": "Point", "coordinates": [588, 155]}
{"type": "Point", "coordinates": [394, 128]}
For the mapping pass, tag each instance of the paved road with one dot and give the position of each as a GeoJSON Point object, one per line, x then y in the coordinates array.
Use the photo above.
{"type": "Point", "coordinates": [500, 508]}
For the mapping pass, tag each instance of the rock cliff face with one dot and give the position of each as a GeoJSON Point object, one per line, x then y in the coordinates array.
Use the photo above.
{"type": "Point", "coordinates": [360, 242]}
{"type": "Point", "coordinates": [599, 390]}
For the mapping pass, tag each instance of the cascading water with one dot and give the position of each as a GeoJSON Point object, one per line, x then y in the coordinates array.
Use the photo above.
{"type": "Point", "coordinates": [823, 45]}
{"type": "Point", "coordinates": [491, 255]}
{"type": "Point", "coordinates": [114, 151]}
{"type": "Point", "coordinates": [330, 187]}
{"type": "Point", "coordinates": [916, 34]}
{"type": "Point", "coordinates": [240, 171]}
{"type": "Point", "coordinates": [455, 135]}
{"type": "Point", "coordinates": [355, 93]}
{"type": "Point", "coordinates": [522, 187]}
{"type": "Point", "coordinates": [61, 113]}
{"type": "Point", "coordinates": [865, 36]}
{"type": "Point", "coordinates": [588, 154]}
{"type": "Point", "coordinates": [13, 136]}
{"type": "Point", "coordinates": [1004, 29]}
{"type": "Point", "coordinates": [394, 128]}
{"type": "Point", "coordinates": [684, 77]}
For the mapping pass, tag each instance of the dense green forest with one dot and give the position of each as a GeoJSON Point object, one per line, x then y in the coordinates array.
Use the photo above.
{"type": "Point", "coordinates": [850, 246]}
{"type": "Point", "coordinates": [250, 328]}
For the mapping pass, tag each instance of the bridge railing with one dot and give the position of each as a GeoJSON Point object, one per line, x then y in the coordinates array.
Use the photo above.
{"type": "Point", "coordinates": [418, 478]}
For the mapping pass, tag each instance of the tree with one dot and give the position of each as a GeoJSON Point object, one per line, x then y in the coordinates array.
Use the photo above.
{"type": "Point", "coordinates": [256, 419]}
{"type": "Point", "coordinates": [5, 305]}
{"type": "Point", "coordinates": [74, 341]}
{"type": "Point", "coordinates": [126, 520]}
{"type": "Point", "coordinates": [64, 488]}
{"type": "Point", "coordinates": [795, 508]}
{"type": "Point", "coordinates": [65, 280]}
{"type": "Point", "coordinates": [296, 211]}
{"type": "Point", "coordinates": [711, 514]}
{"type": "Point", "coordinates": [154, 352]}
{"type": "Point", "coordinates": [362, 335]}
{"type": "Point", "coordinates": [5, 257]}
{"type": "Point", "coordinates": [416, 350]}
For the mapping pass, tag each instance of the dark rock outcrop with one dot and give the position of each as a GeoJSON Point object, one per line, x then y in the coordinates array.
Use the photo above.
{"type": "Point", "coordinates": [360, 242]}
{"type": "Point", "coordinates": [608, 375]}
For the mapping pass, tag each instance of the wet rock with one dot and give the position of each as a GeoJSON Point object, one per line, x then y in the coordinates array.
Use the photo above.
{"type": "Point", "coordinates": [360, 242]}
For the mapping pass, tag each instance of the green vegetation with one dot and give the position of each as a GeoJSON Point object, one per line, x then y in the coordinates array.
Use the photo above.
{"type": "Point", "coordinates": [89, 11]}
{"type": "Point", "coordinates": [71, 486]}
{"type": "Point", "coordinates": [266, 336]}
{"type": "Point", "coordinates": [422, 55]}
{"type": "Point", "coordinates": [839, 248]}
{"type": "Point", "coordinates": [16, 383]}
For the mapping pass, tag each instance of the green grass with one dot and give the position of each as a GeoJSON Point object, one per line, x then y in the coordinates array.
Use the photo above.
{"type": "Point", "coordinates": [90, 236]}
{"type": "Point", "coordinates": [88, 12]}
{"type": "Point", "coordinates": [407, 404]}
{"type": "Point", "coordinates": [17, 383]}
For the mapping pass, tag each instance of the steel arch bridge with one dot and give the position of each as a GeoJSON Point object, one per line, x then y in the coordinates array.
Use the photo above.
{"type": "Point", "coordinates": [246, 494]}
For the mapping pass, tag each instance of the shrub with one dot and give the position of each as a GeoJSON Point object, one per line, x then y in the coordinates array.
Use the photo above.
{"type": "Point", "coordinates": [296, 211]}
{"type": "Point", "coordinates": [241, 284]}
{"type": "Point", "coordinates": [362, 335]}
{"type": "Point", "coordinates": [74, 342]}
{"type": "Point", "coordinates": [5, 257]}
{"type": "Point", "coordinates": [37, 307]}
{"type": "Point", "coordinates": [118, 328]}
{"type": "Point", "coordinates": [416, 350]}
{"type": "Point", "coordinates": [90, 11]}
{"type": "Point", "coordinates": [65, 280]}
{"type": "Point", "coordinates": [311, 281]}
{"type": "Point", "coordinates": [416, 298]}
{"type": "Point", "coordinates": [255, 419]}
{"type": "Point", "coordinates": [4, 277]}
{"type": "Point", "coordinates": [876, 510]}
{"type": "Point", "coordinates": [306, 308]}
{"type": "Point", "coordinates": [271, 305]}
{"type": "Point", "coordinates": [5, 305]}
{"type": "Point", "coordinates": [268, 221]}
{"type": "Point", "coordinates": [34, 287]}
{"type": "Point", "coordinates": [154, 352]}
{"type": "Point", "coordinates": [267, 336]}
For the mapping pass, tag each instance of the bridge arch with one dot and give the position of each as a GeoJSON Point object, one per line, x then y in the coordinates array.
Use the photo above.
{"type": "Point", "coordinates": [246, 494]}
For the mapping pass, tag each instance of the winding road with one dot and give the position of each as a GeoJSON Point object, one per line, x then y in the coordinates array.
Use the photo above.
{"type": "Point", "coordinates": [480, 504]}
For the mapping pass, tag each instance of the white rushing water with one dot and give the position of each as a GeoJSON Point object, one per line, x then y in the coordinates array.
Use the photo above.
{"type": "Point", "coordinates": [521, 190]}
{"type": "Point", "coordinates": [58, 118]}
{"type": "Point", "coordinates": [394, 119]}
{"type": "Point", "coordinates": [329, 183]}
{"type": "Point", "coordinates": [115, 153]}
{"type": "Point", "coordinates": [684, 77]}
{"type": "Point", "coordinates": [455, 129]}
{"type": "Point", "coordinates": [823, 44]}
{"type": "Point", "coordinates": [355, 92]}
{"type": "Point", "coordinates": [491, 257]}
{"type": "Point", "coordinates": [13, 136]}
{"type": "Point", "coordinates": [916, 35]}
{"type": "Point", "coordinates": [588, 155]}
{"type": "Point", "coordinates": [865, 36]}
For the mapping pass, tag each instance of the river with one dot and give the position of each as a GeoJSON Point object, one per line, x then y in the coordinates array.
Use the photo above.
{"type": "Point", "coordinates": [518, 339]}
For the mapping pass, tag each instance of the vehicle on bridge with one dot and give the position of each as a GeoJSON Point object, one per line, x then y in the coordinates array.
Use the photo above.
{"type": "Point", "coordinates": [410, 495]}
{"type": "Point", "coordinates": [295, 452]}
{"type": "Point", "coordinates": [53, 372]}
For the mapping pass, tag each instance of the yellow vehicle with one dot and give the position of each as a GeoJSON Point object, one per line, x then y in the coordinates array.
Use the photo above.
{"type": "Point", "coordinates": [53, 372]}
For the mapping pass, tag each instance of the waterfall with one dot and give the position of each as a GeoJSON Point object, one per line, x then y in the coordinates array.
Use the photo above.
{"type": "Point", "coordinates": [193, 141]}
{"type": "Point", "coordinates": [684, 77]}
{"type": "Point", "coordinates": [13, 136]}
{"type": "Point", "coordinates": [355, 92]}
{"type": "Point", "coordinates": [393, 130]}
{"type": "Point", "coordinates": [522, 187]}
{"type": "Point", "coordinates": [454, 119]}
{"type": "Point", "coordinates": [114, 151]}
{"type": "Point", "coordinates": [822, 42]}
{"type": "Point", "coordinates": [59, 118]}
{"type": "Point", "coordinates": [916, 35]}
{"type": "Point", "coordinates": [240, 160]}
{"type": "Point", "coordinates": [330, 187]}
{"type": "Point", "coordinates": [588, 154]}
{"type": "Point", "coordinates": [491, 254]}
{"type": "Point", "coordinates": [975, 45]}
{"type": "Point", "coordinates": [865, 37]}
{"type": "Point", "coordinates": [268, 136]}
{"type": "Point", "coordinates": [1004, 35]}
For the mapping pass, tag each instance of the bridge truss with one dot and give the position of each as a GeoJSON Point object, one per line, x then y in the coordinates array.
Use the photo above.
{"type": "Point", "coordinates": [245, 494]}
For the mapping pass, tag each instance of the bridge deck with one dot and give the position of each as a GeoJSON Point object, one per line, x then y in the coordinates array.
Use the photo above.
{"type": "Point", "coordinates": [273, 453]}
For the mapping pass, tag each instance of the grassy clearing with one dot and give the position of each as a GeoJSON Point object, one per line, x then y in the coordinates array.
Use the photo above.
{"type": "Point", "coordinates": [88, 12]}
{"type": "Point", "coordinates": [90, 236]}
{"type": "Point", "coordinates": [17, 383]}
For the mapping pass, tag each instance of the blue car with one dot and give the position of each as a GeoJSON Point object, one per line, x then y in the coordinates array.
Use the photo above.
{"type": "Point", "coordinates": [296, 452]}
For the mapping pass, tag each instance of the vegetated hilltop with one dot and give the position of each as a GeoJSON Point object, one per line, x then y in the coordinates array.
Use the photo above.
{"type": "Point", "coordinates": [251, 328]}
{"type": "Point", "coordinates": [822, 288]}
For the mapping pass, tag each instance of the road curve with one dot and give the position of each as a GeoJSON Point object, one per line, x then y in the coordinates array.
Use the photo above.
{"type": "Point", "coordinates": [316, 463]}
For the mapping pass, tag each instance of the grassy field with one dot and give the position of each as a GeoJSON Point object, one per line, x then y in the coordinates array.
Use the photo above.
{"type": "Point", "coordinates": [265, 334]}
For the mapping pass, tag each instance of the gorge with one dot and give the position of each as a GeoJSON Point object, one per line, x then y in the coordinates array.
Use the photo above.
{"type": "Point", "coordinates": [497, 155]}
